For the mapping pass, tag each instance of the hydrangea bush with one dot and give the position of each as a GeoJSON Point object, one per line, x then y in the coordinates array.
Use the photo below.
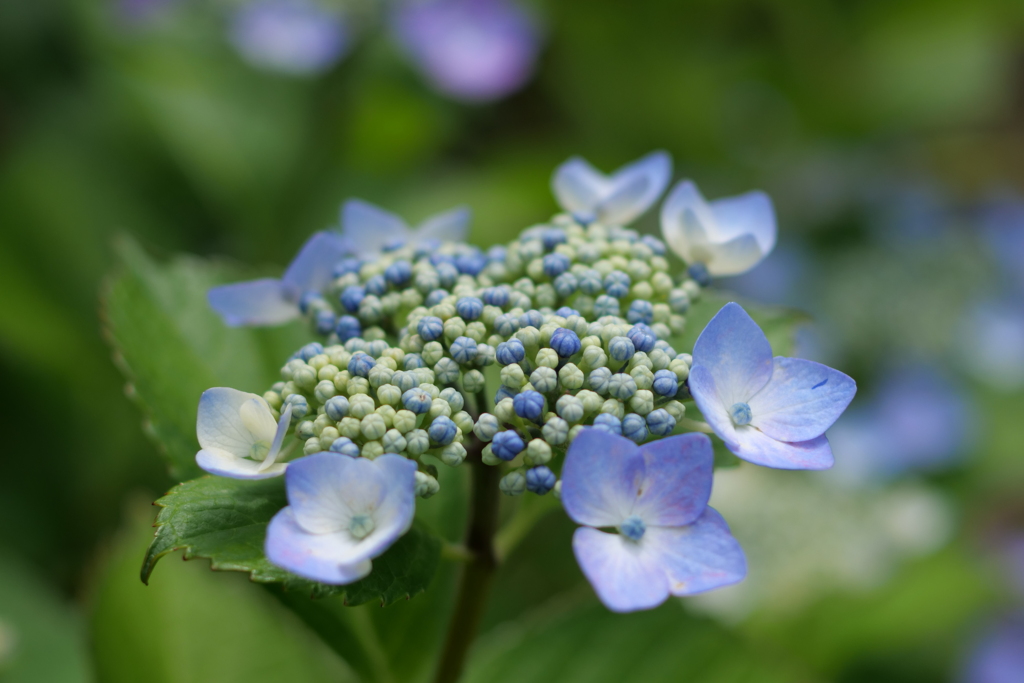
{"type": "Point", "coordinates": [551, 367]}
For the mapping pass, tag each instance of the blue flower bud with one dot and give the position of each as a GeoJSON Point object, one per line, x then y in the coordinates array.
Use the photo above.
{"type": "Point", "coordinates": [438, 258]}
{"type": "Point", "coordinates": [299, 405]}
{"type": "Point", "coordinates": [643, 338]}
{"type": "Point", "coordinates": [621, 349]}
{"type": "Point", "coordinates": [552, 237]}
{"type": "Point", "coordinates": [469, 308]}
{"type": "Point", "coordinates": [565, 285]}
{"type": "Point", "coordinates": [640, 311]}
{"type": "Point", "coordinates": [565, 312]}
{"type": "Point", "coordinates": [656, 245]}
{"type": "Point", "coordinates": [506, 325]}
{"type": "Point", "coordinates": [345, 446]}
{"type": "Point", "coordinates": [507, 445]}
{"type": "Point", "coordinates": [309, 350]}
{"type": "Point", "coordinates": [599, 379]}
{"type": "Point", "coordinates": [309, 301]}
{"type": "Point", "coordinates": [324, 322]}
{"type": "Point", "coordinates": [442, 430]}
{"type": "Point", "coordinates": [398, 273]}
{"type": "Point", "coordinates": [336, 408]}
{"type": "Point", "coordinates": [590, 283]}
{"type": "Point", "coordinates": [660, 422]}
{"type": "Point", "coordinates": [698, 272]}
{"type": "Point", "coordinates": [411, 361]}
{"type": "Point", "coordinates": [606, 305]}
{"type": "Point", "coordinates": [351, 297]}
{"type": "Point", "coordinates": [463, 351]}
{"type": "Point", "coordinates": [540, 480]}
{"type": "Point", "coordinates": [504, 392]}
{"type": "Point", "coordinates": [496, 296]}
{"type": "Point", "coordinates": [529, 405]}
{"type": "Point", "coordinates": [497, 254]}
{"type": "Point", "coordinates": [436, 296]}
{"type": "Point", "coordinates": [376, 285]}
{"type": "Point", "coordinates": [621, 386]}
{"type": "Point", "coordinates": [377, 347]}
{"type": "Point", "coordinates": [416, 400]}
{"type": "Point", "coordinates": [404, 380]}
{"type": "Point", "coordinates": [616, 284]}
{"type": "Point", "coordinates": [347, 265]}
{"type": "Point", "coordinates": [430, 328]}
{"type": "Point", "coordinates": [608, 423]}
{"type": "Point", "coordinates": [665, 383]}
{"type": "Point", "coordinates": [565, 342]}
{"type": "Point", "coordinates": [510, 352]}
{"type": "Point", "coordinates": [634, 428]}
{"type": "Point", "coordinates": [470, 264]}
{"type": "Point", "coordinates": [448, 274]}
{"type": "Point", "coordinates": [531, 319]}
{"type": "Point", "coordinates": [360, 364]}
{"type": "Point", "coordinates": [348, 327]}
{"type": "Point", "coordinates": [555, 264]}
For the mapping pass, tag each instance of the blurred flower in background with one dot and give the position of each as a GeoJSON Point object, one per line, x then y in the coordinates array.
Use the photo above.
{"type": "Point", "coordinates": [472, 50]}
{"type": "Point", "coordinates": [998, 656]}
{"type": "Point", "coordinates": [295, 37]}
{"type": "Point", "coordinates": [992, 342]}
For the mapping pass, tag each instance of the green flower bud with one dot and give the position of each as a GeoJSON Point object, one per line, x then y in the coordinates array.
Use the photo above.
{"type": "Point", "coordinates": [341, 381]}
{"type": "Point", "coordinates": [372, 426]}
{"type": "Point", "coordinates": [273, 400]}
{"type": "Point", "coordinates": [463, 421]}
{"type": "Point", "coordinates": [677, 324]}
{"type": "Point", "coordinates": [642, 402]}
{"type": "Point", "coordinates": [453, 454]}
{"type": "Point", "coordinates": [446, 371]}
{"type": "Point", "coordinates": [424, 376]}
{"type": "Point", "coordinates": [404, 421]}
{"type": "Point", "coordinates": [473, 381]}
{"type": "Point", "coordinates": [659, 359]}
{"type": "Point", "coordinates": [681, 368]}
{"type": "Point", "coordinates": [426, 485]}
{"type": "Point", "coordinates": [530, 336]}
{"type": "Point", "coordinates": [486, 427]}
{"type": "Point", "coordinates": [643, 377]}
{"type": "Point", "coordinates": [488, 457]}
{"type": "Point", "coordinates": [395, 354]}
{"type": "Point", "coordinates": [372, 449]}
{"type": "Point", "coordinates": [490, 314]}
{"type": "Point", "coordinates": [513, 483]}
{"type": "Point", "coordinates": [544, 379]}
{"type": "Point", "coordinates": [591, 401]}
{"type": "Point", "coordinates": [485, 355]}
{"type": "Point", "coordinates": [545, 296]}
{"type": "Point", "coordinates": [640, 359]}
{"type": "Point", "coordinates": [535, 269]}
{"type": "Point", "coordinates": [380, 375]}
{"type": "Point", "coordinates": [319, 361]}
{"type": "Point", "coordinates": [547, 358]}
{"type": "Point", "coordinates": [642, 290]}
{"type": "Point", "coordinates": [661, 330]}
{"type": "Point", "coordinates": [613, 407]}
{"type": "Point", "coordinates": [594, 357]}
{"type": "Point", "coordinates": [338, 355]}
{"type": "Point", "coordinates": [431, 389]}
{"type": "Point", "coordinates": [662, 283]}
{"type": "Point", "coordinates": [454, 327]}
{"type": "Point", "coordinates": [574, 432]}
{"type": "Point", "coordinates": [504, 411]}
{"type": "Point", "coordinates": [638, 270]}
{"type": "Point", "coordinates": [587, 340]}
{"type": "Point", "coordinates": [570, 408]}
{"type": "Point", "coordinates": [324, 390]}
{"type": "Point", "coordinates": [389, 394]}
{"type": "Point", "coordinates": [389, 304]}
{"type": "Point", "coordinates": [304, 430]}
{"type": "Point", "coordinates": [692, 290]}
{"type": "Point", "coordinates": [357, 385]}
{"type": "Point", "coordinates": [388, 414]}
{"type": "Point", "coordinates": [311, 446]}
{"type": "Point", "coordinates": [494, 340]}
{"type": "Point", "coordinates": [327, 372]}
{"type": "Point", "coordinates": [439, 407]}
{"type": "Point", "coordinates": [432, 352]}
{"type": "Point", "coordinates": [305, 378]}
{"type": "Point", "coordinates": [360, 405]}
{"type": "Point", "coordinates": [676, 409]}
{"type": "Point", "coordinates": [320, 422]}
{"type": "Point", "coordinates": [538, 452]}
{"type": "Point", "coordinates": [327, 437]}
{"type": "Point", "coordinates": [571, 377]}
{"type": "Point", "coordinates": [349, 426]}
{"type": "Point", "coordinates": [476, 331]}
{"type": "Point", "coordinates": [393, 441]}
{"type": "Point", "coordinates": [411, 298]}
{"type": "Point", "coordinates": [512, 376]}
{"type": "Point", "coordinates": [417, 442]}
{"type": "Point", "coordinates": [525, 284]}
{"type": "Point", "coordinates": [412, 343]}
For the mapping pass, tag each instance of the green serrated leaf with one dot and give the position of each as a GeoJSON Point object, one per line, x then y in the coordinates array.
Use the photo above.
{"type": "Point", "coordinates": [779, 324]}
{"type": "Point", "coordinates": [225, 521]}
{"type": "Point", "coordinates": [172, 346]}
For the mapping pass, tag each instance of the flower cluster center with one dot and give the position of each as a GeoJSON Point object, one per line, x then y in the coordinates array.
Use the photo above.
{"type": "Point", "coordinates": [740, 414]}
{"type": "Point", "coordinates": [361, 526]}
{"type": "Point", "coordinates": [633, 528]}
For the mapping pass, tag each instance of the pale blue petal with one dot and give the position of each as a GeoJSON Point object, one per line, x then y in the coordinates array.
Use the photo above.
{"type": "Point", "coordinates": [686, 222]}
{"type": "Point", "coordinates": [676, 484]}
{"type": "Point", "coordinates": [369, 228]}
{"type": "Point", "coordinates": [733, 257]}
{"type": "Point", "coordinates": [634, 188]}
{"type": "Point", "coordinates": [757, 447]}
{"type": "Point", "coordinates": [698, 557]}
{"type": "Point", "coordinates": [282, 430]}
{"type": "Point", "coordinates": [751, 213]}
{"type": "Point", "coordinates": [625, 576]}
{"type": "Point", "coordinates": [450, 226]}
{"type": "Point", "coordinates": [327, 558]}
{"type": "Point", "coordinates": [219, 424]}
{"type": "Point", "coordinates": [313, 268]}
{"type": "Point", "coordinates": [600, 478]}
{"type": "Point", "coordinates": [579, 187]}
{"type": "Point", "coordinates": [801, 401]}
{"type": "Point", "coordinates": [705, 395]}
{"type": "Point", "coordinates": [224, 464]}
{"type": "Point", "coordinates": [257, 302]}
{"type": "Point", "coordinates": [736, 352]}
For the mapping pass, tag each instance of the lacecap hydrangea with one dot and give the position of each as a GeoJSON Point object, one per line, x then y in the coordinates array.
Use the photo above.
{"type": "Point", "coordinates": [552, 359]}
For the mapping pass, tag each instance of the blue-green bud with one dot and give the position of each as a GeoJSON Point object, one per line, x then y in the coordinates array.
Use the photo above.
{"type": "Point", "coordinates": [360, 405]}
{"type": "Point", "coordinates": [660, 422]}
{"type": "Point", "coordinates": [336, 408]}
{"type": "Point", "coordinates": [569, 408]}
{"type": "Point", "coordinates": [642, 402]}
{"type": "Point", "coordinates": [544, 379]}
{"type": "Point", "coordinates": [473, 381]}
{"type": "Point", "coordinates": [546, 358]}
{"type": "Point", "coordinates": [513, 377]}
{"type": "Point", "coordinates": [328, 436]}
{"type": "Point", "coordinates": [676, 409]}
{"type": "Point", "coordinates": [505, 411]}
{"type": "Point", "coordinates": [349, 427]}
{"type": "Point", "coordinates": [486, 427]}
{"type": "Point", "coordinates": [485, 355]}
{"type": "Point", "coordinates": [311, 446]}
{"type": "Point", "coordinates": [426, 485]}
{"type": "Point", "coordinates": [289, 368]}
{"type": "Point", "coordinates": [591, 401]}
{"type": "Point", "coordinates": [453, 397]}
{"type": "Point", "coordinates": [304, 430]}
{"type": "Point", "coordinates": [404, 421]}
{"type": "Point", "coordinates": [571, 377]}
{"type": "Point", "coordinates": [555, 430]}
{"type": "Point", "coordinates": [417, 442]}
{"type": "Point", "coordinates": [380, 374]}
{"type": "Point", "coordinates": [438, 407]}
{"type": "Point", "coordinates": [373, 427]}
{"type": "Point", "coordinates": [446, 371]}
{"type": "Point", "coordinates": [600, 379]}
{"type": "Point", "coordinates": [389, 394]}
{"type": "Point", "coordinates": [305, 378]}
{"type": "Point", "coordinates": [393, 441]}
{"type": "Point", "coordinates": [621, 386]}
{"type": "Point", "coordinates": [594, 356]}
{"type": "Point", "coordinates": [357, 385]}
{"type": "Point", "coordinates": [513, 483]}
{"type": "Point", "coordinates": [634, 428]}
{"type": "Point", "coordinates": [538, 452]}
{"type": "Point", "coordinates": [613, 406]}
{"type": "Point", "coordinates": [643, 377]}
{"type": "Point", "coordinates": [453, 454]}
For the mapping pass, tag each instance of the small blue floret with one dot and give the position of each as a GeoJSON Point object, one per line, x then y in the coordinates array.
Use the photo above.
{"type": "Point", "coordinates": [531, 318]}
{"type": "Point", "coordinates": [633, 528]}
{"type": "Point", "coordinates": [552, 237]}
{"type": "Point", "coordinates": [436, 296]}
{"type": "Point", "coordinates": [299, 405]}
{"type": "Point", "coordinates": [351, 297]}
{"type": "Point", "coordinates": [377, 285]}
{"type": "Point", "coordinates": [607, 422]}
{"type": "Point", "coordinates": [621, 349]}
{"type": "Point", "coordinates": [665, 383]}
{"type": "Point", "coordinates": [606, 305]}
{"type": "Point", "coordinates": [616, 284]}
{"type": "Point", "coordinates": [640, 311]}
{"type": "Point", "coordinates": [507, 445]}
{"type": "Point", "coordinates": [336, 408]}
{"type": "Point", "coordinates": [360, 364]}
{"type": "Point", "coordinates": [416, 400]}
{"type": "Point", "coordinates": [469, 308]}
{"type": "Point", "coordinates": [555, 264]}
{"type": "Point", "coordinates": [398, 273]}
{"type": "Point", "coordinates": [310, 350]}
{"type": "Point", "coordinates": [699, 273]}
{"type": "Point", "coordinates": [430, 328]}
{"type": "Point", "coordinates": [565, 285]}
{"type": "Point", "coordinates": [463, 350]}
{"type": "Point", "coordinates": [442, 430]}
{"type": "Point", "coordinates": [565, 342]}
{"type": "Point", "coordinates": [540, 480]}
{"type": "Point", "coordinates": [660, 423]}
{"type": "Point", "coordinates": [348, 327]}
{"type": "Point", "coordinates": [740, 414]}
{"type": "Point", "coordinates": [496, 296]}
{"type": "Point", "coordinates": [634, 428]}
{"type": "Point", "coordinates": [345, 446]}
{"type": "Point", "coordinates": [643, 337]}
{"type": "Point", "coordinates": [324, 322]}
{"type": "Point", "coordinates": [510, 352]}
{"type": "Point", "coordinates": [529, 405]}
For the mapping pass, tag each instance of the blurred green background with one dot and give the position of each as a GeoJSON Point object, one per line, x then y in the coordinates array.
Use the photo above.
{"type": "Point", "coordinates": [890, 134]}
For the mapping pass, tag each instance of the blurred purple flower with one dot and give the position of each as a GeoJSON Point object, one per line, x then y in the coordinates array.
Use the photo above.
{"type": "Point", "coordinates": [917, 421]}
{"type": "Point", "coordinates": [998, 656]}
{"type": "Point", "coordinates": [473, 50]}
{"type": "Point", "coordinates": [993, 343]}
{"type": "Point", "coordinates": [138, 12]}
{"type": "Point", "coordinates": [296, 37]}
{"type": "Point", "coordinates": [779, 279]}
{"type": "Point", "coordinates": [1002, 224]}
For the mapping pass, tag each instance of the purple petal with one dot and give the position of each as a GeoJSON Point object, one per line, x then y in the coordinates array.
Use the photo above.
{"type": "Point", "coordinates": [474, 50]}
{"type": "Point", "coordinates": [999, 656]}
{"type": "Point", "coordinates": [224, 464]}
{"type": "Point", "coordinates": [450, 226]}
{"type": "Point", "coordinates": [754, 446]}
{"type": "Point", "coordinates": [313, 268]}
{"type": "Point", "coordinates": [737, 354]}
{"type": "Point", "coordinates": [634, 188]}
{"type": "Point", "coordinates": [624, 574]}
{"type": "Point", "coordinates": [257, 302]}
{"type": "Point", "coordinates": [801, 401]}
{"type": "Point", "coordinates": [369, 228]}
{"type": "Point", "coordinates": [676, 484]}
{"type": "Point", "coordinates": [295, 37]}
{"type": "Point", "coordinates": [327, 558]}
{"type": "Point", "coordinates": [579, 187]}
{"type": "Point", "coordinates": [746, 214]}
{"type": "Point", "coordinates": [600, 478]}
{"type": "Point", "coordinates": [698, 557]}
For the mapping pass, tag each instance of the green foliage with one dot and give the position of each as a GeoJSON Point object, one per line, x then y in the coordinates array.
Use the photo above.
{"type": "Point", "coordinates": [225, 520]}
{"type": "Point", "coordinates": [192, 626]}
{"type": "Point", "coordinates": [589, 644]}
{"type": "Point", "coordinates": [172, 346]}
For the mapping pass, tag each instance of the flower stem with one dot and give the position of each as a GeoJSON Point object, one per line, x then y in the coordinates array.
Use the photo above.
{"type": "Point", "coordinates": [695, 425]}
{"type": "Point", "coordinates": [475, 581]}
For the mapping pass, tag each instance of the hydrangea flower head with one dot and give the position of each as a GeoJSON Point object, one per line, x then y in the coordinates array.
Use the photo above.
{"type": "Point", "coordinates": [727, 236]}
{"type": "Point", "coordinates": [296, 37]}
{"type": "Point", "coordinates": [342, 512]}
{"type": "Point", "coordinates": [238, 435]}
{"type": "Point", "coordinates": [771, 412]}
{"type": "Point", "coordinates": [369, 229]}
{"type": "Point", "coordinates": [669, 542]}
{"type": "Point", "coordinates": [271, 301]}
{"type": "Point", "coordinates": [618, 199]}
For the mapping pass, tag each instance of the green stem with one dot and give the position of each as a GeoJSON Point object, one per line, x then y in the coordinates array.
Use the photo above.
{"type": "Point", "coordinates": [477, 575]}
{"type": "Point", "coordinates": [695, 425]}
